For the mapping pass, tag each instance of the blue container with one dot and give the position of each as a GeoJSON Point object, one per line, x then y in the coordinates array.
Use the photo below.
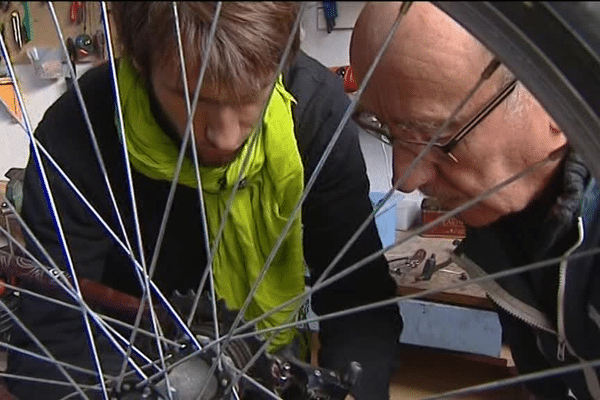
{"type": "Point", "coordinates": [385, 219]}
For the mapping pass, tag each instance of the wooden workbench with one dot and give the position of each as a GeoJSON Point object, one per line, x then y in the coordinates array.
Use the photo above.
{"type": "Point", "coordinates": [469, 295]}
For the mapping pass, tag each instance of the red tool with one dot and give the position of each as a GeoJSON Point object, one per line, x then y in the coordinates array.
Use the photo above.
{"type": "Point", "coordinates": [77, 12]}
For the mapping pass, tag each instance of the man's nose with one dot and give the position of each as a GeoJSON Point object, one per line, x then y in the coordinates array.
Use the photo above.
{"type": "Point", "coordinates": [420, 174]}
{"type": "Point", "coordinates": [223, 129]}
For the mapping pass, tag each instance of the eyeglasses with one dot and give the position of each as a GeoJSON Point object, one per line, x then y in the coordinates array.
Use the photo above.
{"type": "Point", "coordinates": [373, 126]}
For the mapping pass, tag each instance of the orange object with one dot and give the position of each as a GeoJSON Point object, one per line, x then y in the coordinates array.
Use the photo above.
{"type": "Point", "coordinates": [76, 12]}
{"type": "Point", "coordinates": [12, 281]}
{"type": "Point", "coordinates": [350, 85]}
{"type": "Point", "coordinates": [9, 98]}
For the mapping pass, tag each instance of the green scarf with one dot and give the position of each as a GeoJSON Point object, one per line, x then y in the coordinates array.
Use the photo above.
{"type": "Point", "coordinates": [274, 179]}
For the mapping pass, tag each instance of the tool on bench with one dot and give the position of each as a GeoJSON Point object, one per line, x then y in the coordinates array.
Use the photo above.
{"type": "Point", "coordinates": [461, 275]}
{"type": "Point", "coordinates": [407, 262]}
{"type": "Point", "coordinates": [84, 45]}
{"type": "Point", "coordinates": [431, 267]}
{"type": "Point", "coordinates": [27, 23]}
{"type": "Point", "coordinates": [99, 43]}
{"type": "Point", "coordinates": [77, 12]}
{"type": "Point", "coordinates": [72, 50]}
{"type": "Point", "coordinates": [428, 269]}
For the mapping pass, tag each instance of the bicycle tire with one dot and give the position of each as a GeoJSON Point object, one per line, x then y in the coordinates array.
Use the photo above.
{"type": "Point", "coordinates": [566, 78]}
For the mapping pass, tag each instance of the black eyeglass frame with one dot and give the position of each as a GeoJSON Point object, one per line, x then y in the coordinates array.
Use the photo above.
{"type": "Point", "coordinates": [381, 131]}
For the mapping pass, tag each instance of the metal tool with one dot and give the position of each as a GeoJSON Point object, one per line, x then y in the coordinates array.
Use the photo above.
{"type": "Point", "coordinates": [76, 12]}
{"type": "Point", "coordinates": [15, 20]}
{"type": "Point", "coordinates": [407, 262]}
{"type": "Point", "coordinates": [27, 23]}
{"type": "Point", "coordinates": [428, 269]}
{"type": "Point", "coordinates": [432, 266]}
{"type": "Point", "coordinates": [461, 275]}
{"type": "Point", "coordinates": [84, 45]}
{"type": "Point", "coordinates": [99, 44]}
{"type": "Point", "coordinates": [71, 49]}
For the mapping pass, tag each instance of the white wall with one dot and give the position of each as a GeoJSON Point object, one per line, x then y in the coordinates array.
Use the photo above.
{"type": "Point", "coordinates": [332, 49]}
{"type": "Point", "coordinates": [38, 95]}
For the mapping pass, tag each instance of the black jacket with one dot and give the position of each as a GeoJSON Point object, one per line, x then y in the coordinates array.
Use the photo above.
{"type": "Point", "coordinates": [549, 315]}
{"type": "Point", "coordinates": [335, 208]}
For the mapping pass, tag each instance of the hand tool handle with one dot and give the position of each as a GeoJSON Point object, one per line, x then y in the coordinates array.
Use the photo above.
{"type": "Point", "coordinates": [428, 268]}
{"type": "Point", "coordinates": [15, 19]}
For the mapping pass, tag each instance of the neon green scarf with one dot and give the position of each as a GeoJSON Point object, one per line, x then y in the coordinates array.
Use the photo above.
{"type": "Point", "coordinates": [275, 180]}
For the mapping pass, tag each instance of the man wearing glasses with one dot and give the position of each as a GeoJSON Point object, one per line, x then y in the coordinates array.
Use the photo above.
{"type": "Point", "coordinates": [549, 315]}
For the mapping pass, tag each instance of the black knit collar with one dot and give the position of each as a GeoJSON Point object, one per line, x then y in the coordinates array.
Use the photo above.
{"type": "Point", "coordinates": [550, 220]}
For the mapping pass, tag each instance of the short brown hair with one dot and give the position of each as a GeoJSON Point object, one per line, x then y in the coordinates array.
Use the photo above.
{"type": "Point", "coordinates": [247, 48]}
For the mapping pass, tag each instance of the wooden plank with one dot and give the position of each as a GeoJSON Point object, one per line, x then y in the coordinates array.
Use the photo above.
{"type": "Point", "coordinates": [449, 298]}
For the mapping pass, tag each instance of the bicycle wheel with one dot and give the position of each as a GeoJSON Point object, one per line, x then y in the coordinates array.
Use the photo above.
{"type": "Point", "coordinates": [518, 34]}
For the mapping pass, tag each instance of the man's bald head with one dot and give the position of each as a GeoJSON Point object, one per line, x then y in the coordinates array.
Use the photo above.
{"type": "Point", "coordinates": [423, 33]}
{"type": "Point", "coordinates": [428, 69]}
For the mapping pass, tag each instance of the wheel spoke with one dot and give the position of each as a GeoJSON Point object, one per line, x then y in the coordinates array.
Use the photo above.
{"type": "Point", "coordinates": [105, 318]}
{"type": "Point", "coordinates": [43, 348]}
{"type": "Point", "coordinates": [307, 189]}
{"type": "Point", "coordinates": [427, 292]}
{"type": "Point", "coordinates": [190, 117]}
{"type": "Point", "coordinates": [518, 379]}
{"type": "Point", "coordinates": [255, 383]}
{"type": "Point", "coordinates": [141, 271]}
{"type": "Point", "coordinates": [417, 231]}
{"type": "Point", "coordinates": [144, 276]}
{"type": "Point", "coordinates": [50, 199]}
{"type": "Point", "coordinates": [42, 380]}
{"type": "Point", "coordinates": [32, 354]}
{"type": "Point", "coordinates": [88, 123]}
{"type": "Point", "coordinates": [254, 138]}
{"type": "Point", "coordinates": [31, 235]}
{"type": "Point", "coordinates": [83, 306]}
{"type": "Point", "coordinates": [492, 67]}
